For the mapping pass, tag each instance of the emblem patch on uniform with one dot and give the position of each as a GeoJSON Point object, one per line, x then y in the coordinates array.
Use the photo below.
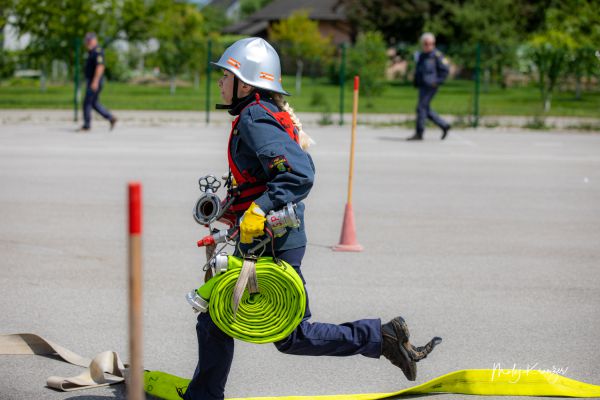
{"type": "Point", "coordinates": [445, 61]}
{"type": "Point", "coordinates": [99, 59]}
{"type": "Point", "coordinates": [279, 164]}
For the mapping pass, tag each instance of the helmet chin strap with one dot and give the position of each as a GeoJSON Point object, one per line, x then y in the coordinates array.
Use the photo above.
{"type": "Point", "coordinates": [234, 98]}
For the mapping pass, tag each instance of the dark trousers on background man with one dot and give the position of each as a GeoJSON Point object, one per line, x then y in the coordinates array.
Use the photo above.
{"type": "Point", "coordinates": [92, 101]}
{"type": "Point", "coordinates": [424, 110]}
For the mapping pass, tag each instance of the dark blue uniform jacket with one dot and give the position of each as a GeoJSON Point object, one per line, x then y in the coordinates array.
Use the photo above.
{"type": "Point", "coordinates": [432, 69]}
{"type": "Point", "coordinates": [262, 149]}
{"type": "Point", "coordinates": [95, 57]}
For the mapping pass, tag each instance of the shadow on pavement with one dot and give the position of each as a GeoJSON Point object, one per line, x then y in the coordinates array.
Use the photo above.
{"type": "Point", "coordinates": [392, 138]}
{"type": "Point", "coordinates": [119, 392]}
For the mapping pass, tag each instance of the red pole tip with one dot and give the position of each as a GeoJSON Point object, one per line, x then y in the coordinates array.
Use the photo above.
{"type": "Point", "coordinates": [135, 208]}
{"type": "Point", "coordinates": [356, 82]}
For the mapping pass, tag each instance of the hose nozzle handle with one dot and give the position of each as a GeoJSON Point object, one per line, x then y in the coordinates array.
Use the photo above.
{"type": "Point", "coordinates": [206, 241]}
{"type": "Point", "coordinates": [218, 237]}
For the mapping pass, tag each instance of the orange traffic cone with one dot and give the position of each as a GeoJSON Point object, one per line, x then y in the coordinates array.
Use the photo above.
{"type": "Point", "coordinates": [348, 240]}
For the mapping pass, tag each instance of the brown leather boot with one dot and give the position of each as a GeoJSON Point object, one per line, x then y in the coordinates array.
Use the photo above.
{"type": "Point", "coordinates": [397, 348]}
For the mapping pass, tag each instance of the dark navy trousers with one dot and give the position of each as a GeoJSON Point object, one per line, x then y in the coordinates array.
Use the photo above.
{"type": "Point", "coordinates": [215, 348]}
{"type": "Point", "coordinates": [92, 101]}
{"type": "Point", "coordinates": [424, 110]}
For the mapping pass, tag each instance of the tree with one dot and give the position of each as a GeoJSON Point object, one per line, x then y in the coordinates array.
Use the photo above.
{"type": "Point", "coordinates": [495, 25]}
{"type": "Point", "coordinates": [6, 59]}
{"type": "Point", "coordinates": [299, 38]}
{"type": "Point", "coordinates": [180, 32]}
{"type": "Point", "coordinates": [581, 21]}
{"type": "Point", "coordinates": [549, 52]}
{"type": "Point", "coordinates": [396, 20]}
{"type": "Point", "coordinates": [565, 44]}
{"type": "Point", "coordinates": [215, 18]}
{"type": "Point", "coordinates": [368, 59]}
{"type": "Point", "coordinates": [55, 25]}
{"type": "Point", "coordinates": [249, 7]}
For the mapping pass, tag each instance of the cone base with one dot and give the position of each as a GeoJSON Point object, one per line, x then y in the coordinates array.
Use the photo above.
{"type": "Point", "coordinates": [348, 240]}
{"type": "Point", "coordinates": [348, 247]}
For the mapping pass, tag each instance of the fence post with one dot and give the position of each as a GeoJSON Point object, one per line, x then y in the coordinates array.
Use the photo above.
{"type": "Point", "coordinates": [208, 80]}
{"type": "Point", "coordinates": [476, 94]}
{"type": "Point", "coordinates": [342, 82]}
{"type": "Point", "coordinates": [77, 67]}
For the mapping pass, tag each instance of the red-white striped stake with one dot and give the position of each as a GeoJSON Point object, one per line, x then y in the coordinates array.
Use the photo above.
{"type": "Point", "coordinates": [348, 240]}
{"type": "Point", "coordinates": [135, 387]}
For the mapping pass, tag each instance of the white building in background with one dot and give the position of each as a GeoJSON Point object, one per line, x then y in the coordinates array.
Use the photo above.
{"type": "Point", "coordinates": [12, 41]}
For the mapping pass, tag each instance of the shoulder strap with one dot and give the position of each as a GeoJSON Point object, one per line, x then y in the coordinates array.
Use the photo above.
{"type": "Point", "coordinates": [284, 119]}
{"type": "Point", "coordinates": [239, 178]}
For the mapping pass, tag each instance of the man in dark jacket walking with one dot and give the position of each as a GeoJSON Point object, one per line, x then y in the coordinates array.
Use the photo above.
{"type": "Point", "coordinates": [431, 72]}
{"type": "Point", "coordinates": [94, 75]}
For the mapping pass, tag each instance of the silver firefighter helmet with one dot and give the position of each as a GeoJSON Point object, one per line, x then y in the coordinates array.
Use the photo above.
{"type": "Point", "coordinates": [255, 62]}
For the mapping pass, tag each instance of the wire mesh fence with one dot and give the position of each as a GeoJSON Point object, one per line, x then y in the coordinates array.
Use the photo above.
{"type": "Point", "coordinates": [484, 80]}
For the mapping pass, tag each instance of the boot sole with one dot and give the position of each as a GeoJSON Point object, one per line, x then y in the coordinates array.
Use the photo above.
{"type": "Point", "coordinates": [402, 334]}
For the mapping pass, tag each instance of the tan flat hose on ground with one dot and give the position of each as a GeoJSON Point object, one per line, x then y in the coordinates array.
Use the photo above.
{"type": "Point", "coordinates": [106, 369]}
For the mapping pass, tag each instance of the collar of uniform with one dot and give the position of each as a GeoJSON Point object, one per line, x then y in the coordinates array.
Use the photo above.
{"type": "Point", "coordinates": [244, 101]}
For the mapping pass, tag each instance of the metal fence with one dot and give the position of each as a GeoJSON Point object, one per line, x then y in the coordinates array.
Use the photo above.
{"type": "Point", "coordinates": [479, 69]}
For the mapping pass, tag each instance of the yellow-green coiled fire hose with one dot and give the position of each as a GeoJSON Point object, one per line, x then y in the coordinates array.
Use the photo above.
{"type": "Point", "coordinates": [264, 317]}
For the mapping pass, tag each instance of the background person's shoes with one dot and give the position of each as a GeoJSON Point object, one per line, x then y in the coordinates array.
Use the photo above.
{"type": "Point", "coordinates": [416, 136]}
{"type": "Point", "coordinates": [113, 122]}
{"type": "Point", "coordinates": [445, 132]}
{"type": "Point", "coordinates": [83, 129]}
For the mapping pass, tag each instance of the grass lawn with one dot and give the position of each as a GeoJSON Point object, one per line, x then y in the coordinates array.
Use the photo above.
{"type": "Point", "coordinates": [455, 97]}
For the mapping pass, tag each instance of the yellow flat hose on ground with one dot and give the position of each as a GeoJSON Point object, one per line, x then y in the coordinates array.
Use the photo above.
{"type": "Point", "coordinates": [264, 317]}
{"type": "Point", "coordinates": [485, 382]}
{"type": "Point", "coordinates": [106, 369]}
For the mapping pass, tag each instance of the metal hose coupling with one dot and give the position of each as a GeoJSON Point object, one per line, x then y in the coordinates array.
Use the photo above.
{"type": "Point", "coordinates": [279, 221]}
{"type": "Point", "coordinates": [208, 207]}
{"type": "Point", "coordinates": [199, 305]}
{"type": "Point", "coordinates": [219, 263]}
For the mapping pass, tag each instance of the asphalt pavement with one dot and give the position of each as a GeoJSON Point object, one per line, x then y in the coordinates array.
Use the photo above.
{"type": "Point", "coordinates": [490, 239]}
